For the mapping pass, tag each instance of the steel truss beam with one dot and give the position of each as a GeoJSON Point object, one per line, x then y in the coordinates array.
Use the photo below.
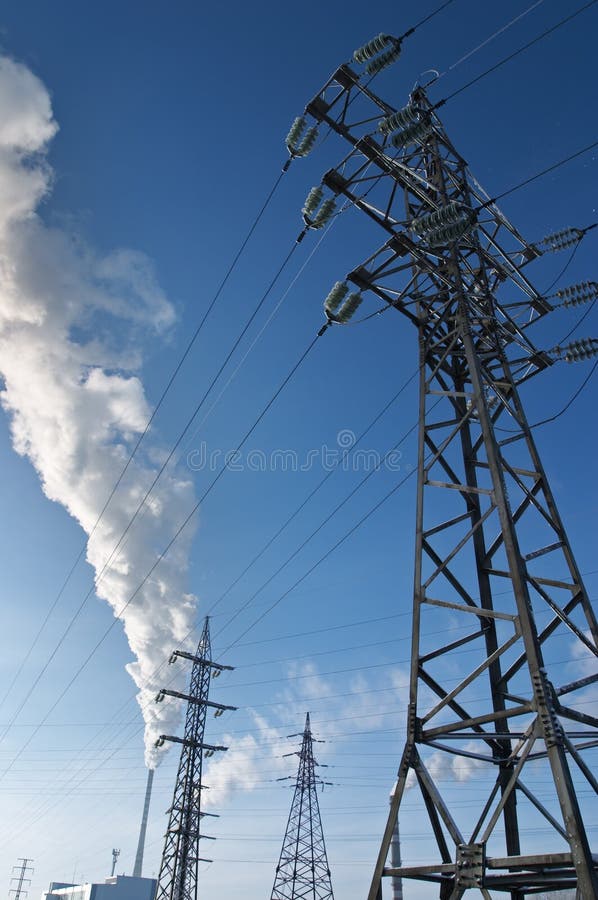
{"type": "Point", "coordinates": [493, 562]}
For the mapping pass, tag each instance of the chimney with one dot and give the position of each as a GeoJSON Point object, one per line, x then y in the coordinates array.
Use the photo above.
{"type": "Point", "coordinates": [141, 845]}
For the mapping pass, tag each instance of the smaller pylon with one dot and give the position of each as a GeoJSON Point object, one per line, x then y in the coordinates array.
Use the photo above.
{"type": "Point", "coordinates": [179, 867]}
{"type": "Point", "coordinates": [302, 872]}
{"type": "Point", "coordinates": [115, 855]}
{"type": "Point", "coordinates": [21, 877]}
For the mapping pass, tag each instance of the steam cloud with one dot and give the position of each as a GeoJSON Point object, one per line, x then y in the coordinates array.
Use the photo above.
{"type": "Point", "coordinates": [71, 326]}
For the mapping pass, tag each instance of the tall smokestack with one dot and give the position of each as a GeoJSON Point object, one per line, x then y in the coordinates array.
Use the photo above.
{"type": "Point", "coordinates": [141, 845]}
{"type": "Point", "coordinates": [395, 859]}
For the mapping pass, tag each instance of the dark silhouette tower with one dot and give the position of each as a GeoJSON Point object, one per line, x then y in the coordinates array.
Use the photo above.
{"type": "Point", "coordinates": [498, 599]}
{"type": "Point", "coordinates": [302, 872]}
{"type": "Point", "coordinates": [178, 871]}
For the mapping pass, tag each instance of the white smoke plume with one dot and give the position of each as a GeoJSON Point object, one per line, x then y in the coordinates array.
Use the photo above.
{"type": "Point", "coordinates": [71, 326]}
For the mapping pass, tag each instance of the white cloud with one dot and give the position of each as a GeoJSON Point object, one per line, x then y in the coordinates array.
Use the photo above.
{"type": "Point", "coordinates": [72, 326]}
{"type": "Point", "coordinates": [248, 761]}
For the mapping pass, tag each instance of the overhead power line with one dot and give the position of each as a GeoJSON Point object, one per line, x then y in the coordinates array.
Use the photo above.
{"type": "Point", "coordinates": [487, 41]}
{"type": "Point", "coordinates": [515, 53]}
{"type": "Point", "coordinates": [339, 462]}
{"type": "Point", "coordinates": [306, 541]}
{"type": "Point", "coordinates": [546, 171]}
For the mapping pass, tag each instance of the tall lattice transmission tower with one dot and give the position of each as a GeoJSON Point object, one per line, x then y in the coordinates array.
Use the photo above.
{"type": "Point", "coordinates": [498, 600]}
{"type": "Point", "coordinates": [302, 872]}
{"type": "Point", "coordinates": [179, 867]}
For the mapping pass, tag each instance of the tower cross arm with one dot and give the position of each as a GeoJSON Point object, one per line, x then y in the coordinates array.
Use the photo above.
{"type": "Point", "coordinates": [199, 659]}
{"type": "Point", "coordinates": [167, 692]}
{"type": "Point", "coordinates": [187, 742]}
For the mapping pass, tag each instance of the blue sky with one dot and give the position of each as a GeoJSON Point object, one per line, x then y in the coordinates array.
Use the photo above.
{"type": "Point", "coordinates": [171, 129]}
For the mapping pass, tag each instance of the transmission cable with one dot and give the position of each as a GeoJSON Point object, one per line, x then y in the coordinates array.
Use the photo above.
{"type": "Point", "coordinates": [428, 17]}
{"type": "Point", "coordinates": [515, 53]}
{"type": "Point", "coordinates": [556, 280]}
{"type": "Point", "coordinates": [322, 559]}
{"type": "Point", "coordinates": [340, 460]}
{"type": "Point", "coordinates": [569, 403]}
{"type": "Point", "coordinates": [546, 171]}
{"type": "Point", "coordinates": [304, 543]}
{"type": "Point", "coordinates": [485, 42]}
{"type": "Point", "coordinates": [265, 325]}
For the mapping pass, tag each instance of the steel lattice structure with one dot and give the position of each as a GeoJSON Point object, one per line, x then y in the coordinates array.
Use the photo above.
{"type": "Point", "coordinates": [302, 872]}
{"type": "Point", "coordinates": [492, 558]}
{"type": "Point", "coordinates": [178, 870]}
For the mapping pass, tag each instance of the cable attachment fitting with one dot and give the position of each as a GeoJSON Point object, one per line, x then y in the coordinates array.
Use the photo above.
{"type": "Point", "coordinates": [301, 139]}
{"type": "Point", "coordinates": [339, 307]}
{"type": "Point", "coordinates": [445, 225]}
{"type": "Point", "coordinates": [576, 351]}
{"type": "Point", "coordinates": [560, 240]}
{"type": "Point", "coordinates": [316, 213]}
{"type": "Point", "coordinates": [372, 51]}
{"type": "Point", "coordinates": [576, 294]}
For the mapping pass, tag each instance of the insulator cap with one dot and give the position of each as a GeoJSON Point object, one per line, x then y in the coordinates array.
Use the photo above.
{"type": "Point", "coordinates": [299, 141]}
{"type": "Point", "coordinates": [336, 297]}
{"type": "Point", "coordinates": [576, 294]}
{"type": "Point", "coordinates": [413, 134]}
{"type": "Point", "coordinates": [349, 307]}
{"type": "Point", "coordinates": [406, 116]}
{"type": "Point", "coordinates": [447, 233]}
{"type": "Point", "coordinates": [446, 224]}
{"type": "Point", "coordinates": [584, 348]}
{"type": "Point", "coordinates": [295, 131]}
{"type": "Point", "coordinates": [314, 217]}
{"type": "Point", "coordinates": [312, 201]}
{"type": "Point", "coordinates": [445, 215]}
{"type": "Point", "coordinates": [383, 61]}
{"type": "Point", "coordinates": [362, 54]}
{"type": "Point", "coordinates": [560, 240]}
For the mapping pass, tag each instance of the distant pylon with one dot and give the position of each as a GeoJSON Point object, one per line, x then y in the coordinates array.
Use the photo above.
{"type": "Point", "coordinates": [21, 877]}
{"type": "Point", "coordinates": [302, 872]}
{"type": "Point", "coordinates": [178, 871]}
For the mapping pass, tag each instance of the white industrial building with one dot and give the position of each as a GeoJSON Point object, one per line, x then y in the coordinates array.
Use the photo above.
{"type": "Point", "coordinates": [119, 887]}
